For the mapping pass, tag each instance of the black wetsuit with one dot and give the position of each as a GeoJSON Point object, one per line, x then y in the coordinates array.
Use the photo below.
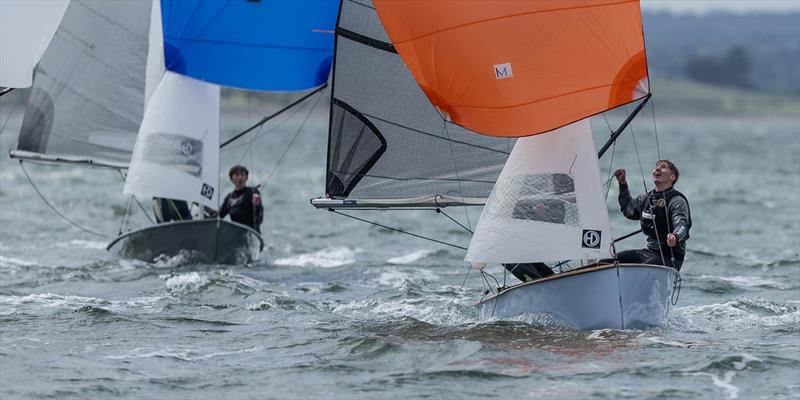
{"type": "Point", "coordinates": [239, 204]}
{"type": "Point", "coordinates": [659, 213]}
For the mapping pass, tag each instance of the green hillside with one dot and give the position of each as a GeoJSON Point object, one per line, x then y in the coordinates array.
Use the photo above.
{"type": "Point", "coordinates": [680, 97]}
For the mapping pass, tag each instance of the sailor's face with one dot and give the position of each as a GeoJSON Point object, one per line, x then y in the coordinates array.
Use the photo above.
{"type": "Point", "coordinates": [239, 179]}
{"type": "Point", "coordinates": [662, 173]}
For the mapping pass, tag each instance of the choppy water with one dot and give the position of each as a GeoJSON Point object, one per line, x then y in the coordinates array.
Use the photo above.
{"type": "Point", "coordinates": [339, 309]}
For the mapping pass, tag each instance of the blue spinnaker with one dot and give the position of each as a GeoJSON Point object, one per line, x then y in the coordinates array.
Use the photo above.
{"type": "Point", "coordinates": [274, 45]}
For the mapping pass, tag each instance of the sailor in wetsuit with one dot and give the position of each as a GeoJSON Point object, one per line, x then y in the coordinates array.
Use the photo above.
{"type": "Point", "coordinates": [663, 214]}
{"type": "Point", "coordinates": [243, 203]}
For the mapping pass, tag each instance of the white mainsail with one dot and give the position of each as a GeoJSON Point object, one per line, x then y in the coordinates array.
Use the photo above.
{"type": "Point", "coordinates": [547, 204]}
{"type": "Point", "coordinates": [177, 150]}
{"type": "Point", "coordinates": [26, 28]}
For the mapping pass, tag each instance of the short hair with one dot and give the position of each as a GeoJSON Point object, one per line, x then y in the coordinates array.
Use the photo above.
{"type": "Point", "coordinates": [238, 169]}
{"type": "Point", "coordinates": [672, 167]}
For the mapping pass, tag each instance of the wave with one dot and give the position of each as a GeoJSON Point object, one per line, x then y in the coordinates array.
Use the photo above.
{"type": "Point", "coordinates": [722, 284]}
{"type": "Point", "coordinates": [185, 283]}
{"type": "Point", "coordinates": [735, 315]}
{"type": "Point", "coordinates": [722, 369]}
{"type": "Point", "coordinates": [399, 279]}
{"type": "Point", "coordinates": [11, 304]}
{"type": "Point", "coordinates": [15, 262]}
{"type": "Point", "coordinates": [83, 244]}
{"type": "Point", "coordinates": [409, 258]}
{"type": "Point", "coordinates": [182, 354]}
{"type": "Point", "coordinates": [326, 258]}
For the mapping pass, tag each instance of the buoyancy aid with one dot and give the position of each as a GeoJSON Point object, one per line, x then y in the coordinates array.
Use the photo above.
{"type": "Point", "coordinates": [656, 221]}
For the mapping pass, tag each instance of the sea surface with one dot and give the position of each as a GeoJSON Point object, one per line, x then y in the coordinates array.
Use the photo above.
{"type": "Point", "coordinates": [339, 309]}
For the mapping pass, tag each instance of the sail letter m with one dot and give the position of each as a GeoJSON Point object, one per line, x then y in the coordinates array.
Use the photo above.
{"type": "Point", "coordinates": [503, 71]}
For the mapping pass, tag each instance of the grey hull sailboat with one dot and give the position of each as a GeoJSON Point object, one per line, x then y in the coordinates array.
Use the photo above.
{"type": "Point", "coordinates": [86, 106]}
{"type": "Point", "coordinates": [120, 87]}
{"type": "Point", "coordinates": [211, 241]}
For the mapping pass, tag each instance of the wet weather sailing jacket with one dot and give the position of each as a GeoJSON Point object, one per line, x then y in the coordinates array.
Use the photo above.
{"type": "Point", "coordinates": [659, 214]}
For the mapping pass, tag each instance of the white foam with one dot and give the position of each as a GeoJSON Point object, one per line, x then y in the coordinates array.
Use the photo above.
{"type": "Point", "coordinates": [437, 313]}
{"type": "Point", "coordinates": [326, 258]}
{"type": "Point", "coordinates": [397, 278]}
{"type": "Point", "coordinates": [185, 283]}
{"type": "Point", "coordinates": [735, 315]}
{"type": "Point", "coordinates": [84, 244]}
{"type": "Point", "coordinates": [51, 300]}
{"type": "Point", "coordinates": [745, 281]}
{"type": "Point", "coordinates": [180, 354]}
{"type": "Point", "coordinates": [10, 261]}
{"type": "Point", "coordinates": [409, 258]}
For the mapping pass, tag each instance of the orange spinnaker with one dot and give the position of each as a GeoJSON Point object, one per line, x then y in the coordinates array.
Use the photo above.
{"type": "Point", "coordinates": [517, 67]}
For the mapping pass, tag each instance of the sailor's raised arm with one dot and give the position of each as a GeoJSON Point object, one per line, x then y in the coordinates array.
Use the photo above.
{"type": "Point", "coordinates": [630, 208]}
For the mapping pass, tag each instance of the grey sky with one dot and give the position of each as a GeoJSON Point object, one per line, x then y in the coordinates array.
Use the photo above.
{"type": "Point", "coordinates": [736, 6]}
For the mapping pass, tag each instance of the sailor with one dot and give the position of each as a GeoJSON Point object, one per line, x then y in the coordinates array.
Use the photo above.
{"type": "Point", "coordinates": [244, 202]}
{"type": "Point", "coordinates": [664, 216]}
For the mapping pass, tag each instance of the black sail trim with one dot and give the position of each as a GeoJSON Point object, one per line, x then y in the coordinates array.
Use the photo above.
{"type": "Point", "coordinates": [375, 156]}
{"type": "Point", "coordinates": [357, 37]}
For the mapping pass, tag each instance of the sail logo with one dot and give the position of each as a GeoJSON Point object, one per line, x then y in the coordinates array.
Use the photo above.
{"type": "Point", "coordinates": [503, 71]}
{"type": "Point", "coordinates": [207, 191]}
{"type": "Point", "coordinates": [591, 239]}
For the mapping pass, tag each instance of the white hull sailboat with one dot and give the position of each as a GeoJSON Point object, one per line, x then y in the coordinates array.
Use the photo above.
{"type": "Point", "coordinates": [609, 296]}
{"type": "Point", "coordinates": [502, 121]}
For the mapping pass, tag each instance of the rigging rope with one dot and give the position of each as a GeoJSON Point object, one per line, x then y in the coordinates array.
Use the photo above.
{"type": "Point", "coordinates": [3, 129]}
{"type": "Point", "coordinates": [137, 200]}
{"type": "Point", "coordinates": [655, 127]}
{"type": "Point", "coordinates": [455, 167]}
{"type": "Point", "coordinates": [396, 229]}
{"type": "Point", "coordinates": [87, 230]}
{"type": "Point", "coordinates": [291, 142]}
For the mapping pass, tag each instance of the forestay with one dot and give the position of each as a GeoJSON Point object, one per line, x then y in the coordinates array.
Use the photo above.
{"type": "Point", "coordinates": [87, 98]}
{"type": "Point", "coordinates": [548, 202]}
{"type": "Point", "coordinates": [516, 68]}
{"type": "Point", "coordinates": [387, 145]}
{"type": "Point", "coordinates": [26, 28]}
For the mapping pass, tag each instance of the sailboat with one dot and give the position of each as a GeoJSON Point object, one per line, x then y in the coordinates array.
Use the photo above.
{"type": "Point", "coordinates": [499, 70]}
{"type": "Point", "coordinates": [135, 85]}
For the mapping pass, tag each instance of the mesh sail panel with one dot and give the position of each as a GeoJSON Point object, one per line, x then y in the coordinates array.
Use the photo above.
{"type": "Point", "coordinates": [536, 197]}
{"type": "Point", "coordinates": [386, 140]}
{"type": "Point", "coordinates": [87, 99]}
